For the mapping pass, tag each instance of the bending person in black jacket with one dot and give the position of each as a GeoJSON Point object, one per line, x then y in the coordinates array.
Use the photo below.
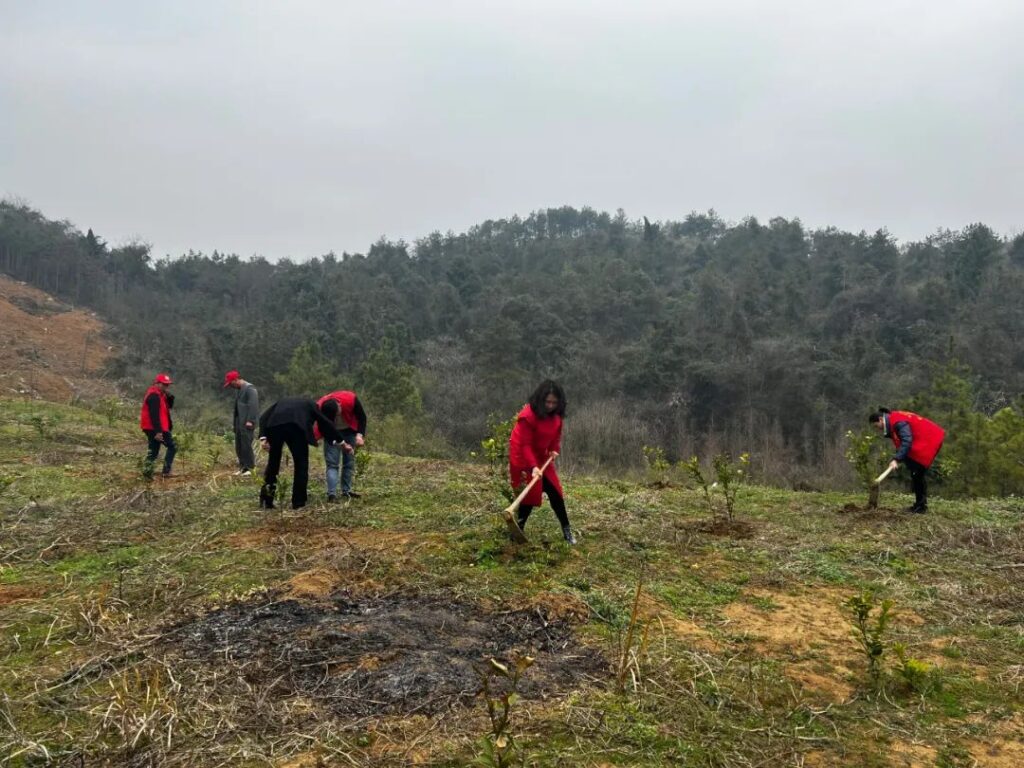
{"type": "Point", "coordinates": [289, 422]}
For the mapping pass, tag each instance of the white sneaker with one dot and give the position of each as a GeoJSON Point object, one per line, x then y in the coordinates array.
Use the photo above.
{"type": "Point", "coordinates": [247, 473]}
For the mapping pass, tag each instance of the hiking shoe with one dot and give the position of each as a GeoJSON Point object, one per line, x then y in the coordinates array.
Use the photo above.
{"type": "Point", "coordinates": [567, 535]}
{"type": "Point", "coordinates": [331, 498]}
{"type": "Point", "coordinates": [521, 519]}
{"type": "Point", "coordinates": [267, 493]}
{"type": "Point", "coordinates": [351, 494]}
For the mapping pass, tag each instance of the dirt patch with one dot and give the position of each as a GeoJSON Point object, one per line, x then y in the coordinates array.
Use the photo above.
{"type": "Point", "coordinates": [10, 593]}
{"type": "Point", "coordinates": [1004, 747]}
{"type": "Point", "coordinates": [48, 350]}
{"type": "Point", "coordinates": [907, 755]}
{"type": "Point", "coordinates": [808, 631]}
{"type": "Point", "coordinates": [735, 529]}
{"type": "Point", "coordinates": [558, 606]}
{"type": "Point", "coordinates": [999, 753]}
{"type": "Point", "coordinates": [394, 655]}
{"type": "Point", "coordinates": [313, 585]}
{"type": "Point", "coordinates": [661, 617]}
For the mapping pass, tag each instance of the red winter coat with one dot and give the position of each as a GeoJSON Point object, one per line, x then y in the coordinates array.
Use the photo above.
{"type": "Point", "coordinates": [346, 404]}
{"type": "Point", "coordinates": [146, 421]}
{"type": "Point", "coordinates": [533, 440]}
{"type": "Point", "coordinates": [927, 436]}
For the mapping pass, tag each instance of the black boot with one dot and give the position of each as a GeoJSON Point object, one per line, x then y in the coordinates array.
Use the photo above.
{"type": "Point", "coordinates": [567, 535]}
{"type": "Point", "coordinates": [267, 493]}
{"type": "Point", "coordinates": [522, 515]}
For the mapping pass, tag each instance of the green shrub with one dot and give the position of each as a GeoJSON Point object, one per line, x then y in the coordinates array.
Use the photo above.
{"type": "Point", "coordinates": [869, 630]}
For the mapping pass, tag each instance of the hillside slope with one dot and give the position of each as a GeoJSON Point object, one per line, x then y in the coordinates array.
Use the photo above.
{"type": "Point", "coordinates": [173, 623]}
{"type": "Point", "coordinates": [49, 350]}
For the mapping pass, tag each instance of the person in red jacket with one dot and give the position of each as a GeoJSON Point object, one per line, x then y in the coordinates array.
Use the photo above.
{"type": "Point", "coordinates": [537, 435]}
{"type": "Point", "coordinates": [155, 421]}
{"type": "Point", "coordinates": [917, 442]}
{"type": "Point", "coordinates": [351, 420]}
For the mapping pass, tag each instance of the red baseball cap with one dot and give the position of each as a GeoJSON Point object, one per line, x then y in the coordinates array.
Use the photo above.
{"type": "Point", "coordinates": [162, 378]}
{"type": "Point", "coordinates": [231, 376]}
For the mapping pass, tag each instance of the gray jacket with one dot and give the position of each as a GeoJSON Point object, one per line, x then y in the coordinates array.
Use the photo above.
{"type": "Point", "coordinates": [247, 407]}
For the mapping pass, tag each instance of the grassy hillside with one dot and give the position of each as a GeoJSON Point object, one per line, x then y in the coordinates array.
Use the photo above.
{"type": "Point", "coordinates": [174, 623]}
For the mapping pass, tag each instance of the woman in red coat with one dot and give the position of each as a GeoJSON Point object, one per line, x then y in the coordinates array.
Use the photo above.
{"type": "Point", "coordinates": [536, 437]}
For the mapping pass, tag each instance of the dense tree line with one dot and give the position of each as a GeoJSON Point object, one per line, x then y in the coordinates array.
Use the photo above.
{"type": "Point", "coordinates": [757, 335]}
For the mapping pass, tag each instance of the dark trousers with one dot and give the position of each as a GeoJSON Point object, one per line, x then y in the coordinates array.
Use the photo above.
{"type": "Point", "coordinates": [294, 437]}
{"type": "Point", "coordinates": [556, 501]}
{"type": "Point", "coordinates": [917, 482]}
{"type": "Point", "coordinates": [154, 449]}
{"type": "Point", "coordinates": [243, 449]}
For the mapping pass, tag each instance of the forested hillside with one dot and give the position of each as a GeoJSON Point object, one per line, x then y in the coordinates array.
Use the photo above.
{"type": "Point", "coordinates": [691, 335]}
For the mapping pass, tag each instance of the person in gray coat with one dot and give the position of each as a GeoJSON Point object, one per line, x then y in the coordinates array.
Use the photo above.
{"type": "Point", "coordinates": [247, 416]}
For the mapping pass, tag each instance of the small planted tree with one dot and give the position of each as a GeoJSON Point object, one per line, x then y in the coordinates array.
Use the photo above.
{"type": "Point", "coordinates": [693, 469]}
{"type": "Point", "coordinates": [864, 452]}
{"type": "Point", "coordinates": [499, 687]}
{"type": "Point", "coordinates": [869, 629]}
{"type": "Point", "coordinates": [730, 474]}
{"type": "Point", "coordinates": [657, 464]}
{"type": "Point", "coordinates": [494, 450]}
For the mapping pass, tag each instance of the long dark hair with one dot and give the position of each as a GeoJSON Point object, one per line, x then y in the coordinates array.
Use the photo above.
{"type": "Point", "coordinates": [330, 408]}
{"type": "Point", "coordinates": [545, 388]}
{"type": "Point", "coordinates": [877, 416]}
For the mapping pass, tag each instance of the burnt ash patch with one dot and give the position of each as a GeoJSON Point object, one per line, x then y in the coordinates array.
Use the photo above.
{"type": "Point", "coordinates": [390, 655]}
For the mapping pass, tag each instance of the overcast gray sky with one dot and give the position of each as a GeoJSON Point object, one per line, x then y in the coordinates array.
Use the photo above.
{"type": "Point", "coordinates": [296, 128]}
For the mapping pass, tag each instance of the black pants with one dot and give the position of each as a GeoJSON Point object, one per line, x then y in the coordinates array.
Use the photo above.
{"type": "Point", "coordinates": [556, 501]}
{"type": "Point", "coordinates": [243, 449]}
{"type": "Point", "coordinates": [154, 449]}
{"type": "Point", "coordinates": [917, 482]}
{"type": "Point", "coordinates": [294, 437]}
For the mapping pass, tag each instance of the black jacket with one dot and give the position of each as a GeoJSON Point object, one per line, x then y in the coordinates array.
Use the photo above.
{"type": "Point", "coordinates": [902, 429]}
{"type": "Point", "coordinates": [301, 413]}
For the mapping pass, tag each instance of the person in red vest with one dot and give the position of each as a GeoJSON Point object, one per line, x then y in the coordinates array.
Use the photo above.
{"type": "Point", "coordinates": [917, 442]}
{"type": "Point", "coordinates": [155, 421]}
{"type": "Point", "coordinates": [537, 436]}
{"type": "Point", "coordinates": [351, 421]}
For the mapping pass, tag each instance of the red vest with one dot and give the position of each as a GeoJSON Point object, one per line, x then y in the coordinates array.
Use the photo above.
{"type": "Point", "coordinates": [145, 422]}
{"type": "Point", "coordinates": [927, 436]}
{"type": "Point", "coordinates": [346, 402]}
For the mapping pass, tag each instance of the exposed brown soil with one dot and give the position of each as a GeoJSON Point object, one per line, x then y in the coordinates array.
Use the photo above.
{"type": "Point", "coordinates": [1004, 746]}
{"type": "Point", "coordinates": [48, 350]}
{"type": "Point", "coordinates": [876, 513]}
{"type": "Point", "coordinates": [662, 618]}
{"type": "Point", "coordinates": [736, 529]}
{"type": "Point", "coordinates": [809, 632]}
{"type": "Point", "coordinates": [557, 606]}
{"type": "Point", "coordinates": [11, 593]}
{"type": "Point", "coordinates": [394, 655]}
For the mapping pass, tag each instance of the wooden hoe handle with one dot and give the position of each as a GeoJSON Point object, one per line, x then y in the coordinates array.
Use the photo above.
{"type": "Point", "coordinates": [882, 476]}
{"type": "Point", "coordinates": [519, 499]}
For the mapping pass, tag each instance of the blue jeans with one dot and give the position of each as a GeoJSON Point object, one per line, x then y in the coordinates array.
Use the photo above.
{"type": "Point", "coordinates": [332, 455]}
{"type": "Point", "coordinates": [154, 449]}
